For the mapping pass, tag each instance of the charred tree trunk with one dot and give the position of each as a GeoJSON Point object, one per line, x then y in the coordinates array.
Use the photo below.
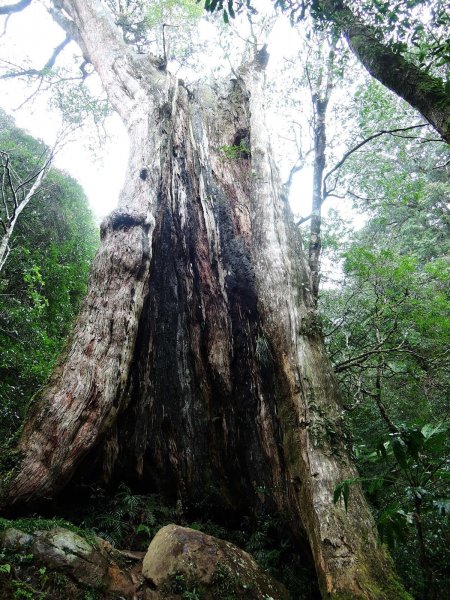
{"type": "Point", "coordinates": [196, 362]}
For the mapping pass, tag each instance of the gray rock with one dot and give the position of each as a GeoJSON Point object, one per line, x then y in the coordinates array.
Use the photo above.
{"type": "Point", "coordinates": [65, 550]}
{"type": "Point", "coordinates": [89, 563]}
{"type": "Point", "coordinates": [15, 540]}
{"type": "Point", "coordinates": [181, 560]}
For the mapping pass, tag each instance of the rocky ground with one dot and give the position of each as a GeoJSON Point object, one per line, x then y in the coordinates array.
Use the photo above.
{"type": "Point", "coordinates": [180, 564]}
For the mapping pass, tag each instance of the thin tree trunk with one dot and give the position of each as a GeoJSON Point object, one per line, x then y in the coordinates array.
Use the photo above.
{"type": "Point", "coordinates": [196, 366]}
{"type": "Point", "coordinates": [315, 241]}
{"type": "Point", "coordinates": [10, 221]}
{"type": "Point", "coordinates": [320, 99]}
{"type": "Point", "coordinates": [424, 560]}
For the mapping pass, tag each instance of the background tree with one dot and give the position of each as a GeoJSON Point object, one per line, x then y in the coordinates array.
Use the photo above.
{"type": "Point", "coordinates": [44, 280]}
{"type": "Point", "coordinates": [386, 323]}
{"type": "Point", "coordinates": [16, 192]}
{"type": "Point", "coordinates": [397, 48]}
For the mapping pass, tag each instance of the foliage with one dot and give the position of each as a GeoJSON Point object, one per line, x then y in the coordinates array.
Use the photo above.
{"type": "Point", "coordinates": [409, 488]}
{"type": "Point", "coordinates": [387, 330]}
{"type": "Point", "coordinates": [77, 104]}
{"type": "Point", "coordinates": [127, 519]}
{"type": "Point", "coordinates": [22, 578]}
{"type": "Point", "coordinates": [139, 20]}
{"type": "Point", "coordinates": [44, 279]}
{"type": "Point", "coordinates": [234, 152]}
{"type": "Point", "coordinates": [173, 12]}
{"type": "Point", "coordinates": [416, 28]}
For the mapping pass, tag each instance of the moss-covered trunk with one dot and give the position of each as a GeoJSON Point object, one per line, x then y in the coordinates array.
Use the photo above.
{"type": "Point", "coordinates": [423, 91]}
{"type": "Point", "coordinates": [197, 366]}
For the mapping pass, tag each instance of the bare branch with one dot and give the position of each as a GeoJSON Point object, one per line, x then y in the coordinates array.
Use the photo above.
{"type": "Point", "coordinates": [298, 166]}
{"type": "Point", "coordinates": [48, 65]}
{"type": "Point", "coordinates": [19, 204]}
{"type": "Point", "coordinates": [363, 143]}
{"type": "Point", "coordinates": [303, 220]}
{"type": "Point", "coordinates": [442, 166]}
{"type": "Point", "coordinates": [5, 26]}
{"type": "Point", "coordinates": [9, 9]}
{"type": "Point", "coordinates": [358, 361]}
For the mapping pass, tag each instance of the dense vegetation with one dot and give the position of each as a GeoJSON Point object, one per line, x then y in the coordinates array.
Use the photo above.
{"type": "Point", "coordinates": [44, 278]}
{"type": "Point", "coordinates": [387, 327]}
{"type": "Point", "coordinates": [385, 321]}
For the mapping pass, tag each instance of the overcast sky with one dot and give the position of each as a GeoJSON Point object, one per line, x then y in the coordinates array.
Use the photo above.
{"type": "Point", "coordinates": [33, 33]}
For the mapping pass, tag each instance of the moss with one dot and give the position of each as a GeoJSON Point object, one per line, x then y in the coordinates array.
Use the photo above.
{"type": "Point", "coordinates": [226, 585]}
{"type": "Point", "coordinates": [379, 584]}
{"type": "Point", "coordinates": [28, 580]}
{"type": "Point", "coordinates": [10, 460]}
{"type": "Point", "coordinates": [311, 325]}
{"type": "Point", "coordinates": [30, 525]}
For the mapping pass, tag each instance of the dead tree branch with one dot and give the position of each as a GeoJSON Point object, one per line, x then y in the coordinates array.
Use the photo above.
{"type": "Point", "coordinates": [45, 69]}
{"type": "Point", "coordinates": [15, 198]}
{"type": "Point", "coordinates": [9, 9]}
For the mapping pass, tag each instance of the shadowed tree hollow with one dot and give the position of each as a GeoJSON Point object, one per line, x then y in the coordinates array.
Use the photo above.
{"type": "Point", "coordinates": [196, 362]}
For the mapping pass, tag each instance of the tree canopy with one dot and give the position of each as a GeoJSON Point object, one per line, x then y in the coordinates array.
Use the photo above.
{"type": "Point", "coordinates": [404, 44]}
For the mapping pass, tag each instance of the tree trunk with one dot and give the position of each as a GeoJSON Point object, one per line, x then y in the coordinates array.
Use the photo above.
{"type": "Point", "coordinates": [315, 241]}
{"type": "Point", "coordinates": [196, 365]}
{"type": "Point", "coordinates": [17, 205]}
{"type": "Point", "coordinates": [421, 90]}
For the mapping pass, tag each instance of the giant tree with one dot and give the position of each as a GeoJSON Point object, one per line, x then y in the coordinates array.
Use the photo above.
{"type": "Point", "coordinates": [196, 363]}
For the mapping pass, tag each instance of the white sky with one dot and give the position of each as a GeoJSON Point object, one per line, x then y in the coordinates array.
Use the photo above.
{"type": "Point", "coordinates": [34, 33]}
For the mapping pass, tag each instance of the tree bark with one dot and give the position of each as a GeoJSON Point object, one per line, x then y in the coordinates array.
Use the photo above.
{"type": "Point", "coordinates": [315, 242]}
{"type": "Point", "coordinates": [421, 90]}
{"type": "Point", "coordinates": [196, 366]}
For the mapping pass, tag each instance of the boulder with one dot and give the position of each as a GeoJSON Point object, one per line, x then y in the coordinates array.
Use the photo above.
{"type": "Point", "coordinates": [182, 562]}
{"type": "Point", "coordinates": [93, 563]}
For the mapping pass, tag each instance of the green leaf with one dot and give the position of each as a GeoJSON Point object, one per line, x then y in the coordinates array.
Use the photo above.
{"type": "Point", "coordinates": [392, 524]}
{"type": "Point", "coordinates": [376, 485]}
{"type": "Point", "coordinates": [442, 505]}
{"type": "Point", "coordinates": [5, 568]}
{"type": "Point", "coordinates": [144, 529]}
{"type": "Point", "coordinates": [337, 493]}
{"type": "Point", "coordinates": [399, 453]}
{"type": "Point", "coordinates": [346, 494]}
{"type": "Point", "coordinates": [382, 450]}
{"type": "Point", "coordinates": [342, 491]}
{"type": "Point", "coordinates": [414, 440]}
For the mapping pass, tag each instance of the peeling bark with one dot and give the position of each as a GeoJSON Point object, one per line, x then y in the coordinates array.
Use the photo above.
{"type": "Point", "coordinates": [196, 363]}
